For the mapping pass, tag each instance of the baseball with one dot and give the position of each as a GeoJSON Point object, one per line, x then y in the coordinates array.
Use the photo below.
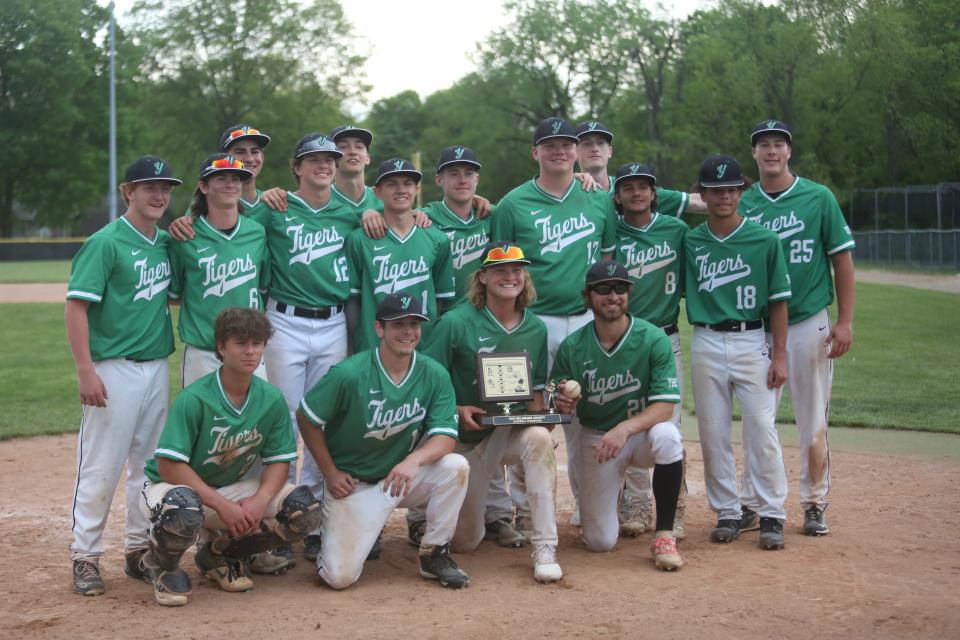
{"type": "Point", "coordinates": [571, 389]}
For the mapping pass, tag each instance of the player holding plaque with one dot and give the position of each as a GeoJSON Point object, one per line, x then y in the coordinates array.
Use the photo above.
{"type": "Point", "coordinates": [494, 320]}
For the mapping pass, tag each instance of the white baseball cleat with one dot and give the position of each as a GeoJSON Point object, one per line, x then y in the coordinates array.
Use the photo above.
{"type": "Point", "coordinates": [545, 566]}
{"type": "Point", "coordinates": [664, 550]}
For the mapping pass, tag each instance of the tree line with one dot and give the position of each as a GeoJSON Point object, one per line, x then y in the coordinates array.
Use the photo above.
{"type": "Point", "coordinates": [870, 87]}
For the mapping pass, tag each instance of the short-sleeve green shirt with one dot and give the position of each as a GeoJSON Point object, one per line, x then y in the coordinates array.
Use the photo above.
{"type": "Point", "coordinates": [125, 277]}
{"type": "Point", "coordinates": [653, 256]}
{"type": "Point", "coordinates": [371, 423]}
{"type": "Point", "coordinates": [369, 200]}
{"type": "Point", "coordinates": [467, 241]}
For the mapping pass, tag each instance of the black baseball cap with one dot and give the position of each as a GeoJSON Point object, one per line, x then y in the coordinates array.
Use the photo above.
{"type": "Point", "coordinates": [395, 166]}
{"type": "Point", "coordinates": [400, 305]}
{"type": "Point", "coordinates": [223, 163]}
{"type": "Point", "coordinates": [721, 171]}
{"type": "Point", "coordinates": [771, 126]}
{"type": "Point", "coordinates": [242, 132]}
{"type": "Point", "coordinates": [315, 143]}
{"type": "Point", "coordinates": [457, 154]}
{"type": "Point", "coordinates": [150, 168]}
{"type": "Point", "coordinates": [634, 170]}
{"type": "Point", "coordinates": [553, 128]}
{"type": "Point", "coordinates": [497, 253]}
{"type": "Point", "coordinates": [607, 271]}
{"type": "Point", "coordinates": [593, 126]}
{"type": "Point", "coordinates": [349, 130]}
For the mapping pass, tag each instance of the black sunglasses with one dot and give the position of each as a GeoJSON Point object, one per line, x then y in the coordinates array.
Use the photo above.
{"type": "Point", "coordinates": [603, 289]}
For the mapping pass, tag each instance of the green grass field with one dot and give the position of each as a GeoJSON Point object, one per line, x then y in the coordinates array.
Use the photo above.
{"type": "Point", "coordinates": [901, 373]}
{"type": "Point", "coordinates": [20, 271]}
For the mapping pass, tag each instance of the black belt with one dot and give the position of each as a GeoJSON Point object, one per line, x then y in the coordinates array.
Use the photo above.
{"type": "Point", "coordinates": [137, 360]}
{"type": "Point", "coordinates": [733, 325]}
{"type": "Point", "coordinates": [315, 314]}
{"type": "Point", "coordinates": [671, 329]}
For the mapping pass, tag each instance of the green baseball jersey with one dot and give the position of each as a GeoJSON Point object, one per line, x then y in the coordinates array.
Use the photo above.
{"type": "Point", "coordinates": [653, 256]}
{"type": "Point", "coordinates": [256, 208]}
{"type": "Point", "coordinates": [467, 240]}
{"type": "Point", "coordinates": [811, 228]}
{"type": "Point", "coordinates": [418, 264]}
{"type": "Point", "coordinates": [125, 276]}
{"type": "Point", "coordinates": [465, 331]}
{"type": "Point", "coordinates": [669, 202]}
{"type": "Point", "coordinates": [734, 278]}
{"type": "Point", "coordinates": [219, 440]}
{"type": "Point", "coordinates": [216, 270]}
{"type": "Point", "coordinates": [371, 423]}
{"type": "Point", "coordinates": [369, 200]}
{"type": "Point", "coordinates": [561, 237]}
{"type": "Point", "coordinates": [308, 264]}
{"type": "Point", "coordinates": [618, 384]}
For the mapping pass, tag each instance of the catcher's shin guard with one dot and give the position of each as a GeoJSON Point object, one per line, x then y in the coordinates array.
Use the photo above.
{"type": "Point", "coordinates": [177, 521]}
{"type": "Point", "coordinates": [299, 514]}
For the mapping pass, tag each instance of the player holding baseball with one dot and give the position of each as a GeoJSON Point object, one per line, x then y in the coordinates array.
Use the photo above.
{"type": "Point", "coordinates": [226, 264]}
{"type": "Point", "coordinates": [806, 217]}
{"type": "Point", "coordinates": [496, 320]}
{"type": "Point", "coordinates": [408, 258]}
{"type": "Point", "coordinates": [217, 429]}
{"type": "Point", "coordinates": [562, 230]}
{"type": "Point", "coordinates": [650, 246]}
{"type": "Point", "coordinates": [625, 369]}
{"type": "Point", "coordinates": [734, 277]}
{"type": "Point", "coordinates": [383, 425]}
{"type": "Point", "coordinates": [118, 326]}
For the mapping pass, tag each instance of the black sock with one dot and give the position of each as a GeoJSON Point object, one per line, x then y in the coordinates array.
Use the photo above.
{"type": "Point", "coordinates": [666, 491]}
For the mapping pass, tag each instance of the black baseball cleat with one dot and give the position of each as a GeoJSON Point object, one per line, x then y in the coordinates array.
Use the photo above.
{"type": "Point", "coordinates": [133, 566]}
{"type": "Point", "coordinates": [311, 547]}
{"type": "Point", "coordinates": [771, 534]}
{"type": "Point", "coordinates": [725, 531]}
{"type": "Point", "coordinates": [86, 578]}
{"type": "Point", "coordinates": [748, 519]}
{"type": "Point", "coordinates": [813, 522]}
{"type": "Point", "coordinates": [416, 531]}
{"type": "Point", "coordinates": [438, 565]}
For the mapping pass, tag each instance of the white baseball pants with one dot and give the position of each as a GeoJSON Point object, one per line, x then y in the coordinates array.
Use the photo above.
{"type": "Point", "coordinates": [124, 432]}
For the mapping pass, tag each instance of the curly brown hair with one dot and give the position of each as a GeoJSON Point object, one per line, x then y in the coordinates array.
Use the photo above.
{"type": "Point", "coordinates": [241, 323]}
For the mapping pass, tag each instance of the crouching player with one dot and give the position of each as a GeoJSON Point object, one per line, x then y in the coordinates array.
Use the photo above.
{"type": "Point", "coordinates": [626, 368]}
{"type": "Point", "coordinates": [382, 425]}
{"type": "Point", "coordinates": [217, 428]}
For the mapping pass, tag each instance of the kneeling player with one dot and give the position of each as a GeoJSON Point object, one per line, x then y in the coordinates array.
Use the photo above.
{"type": "Point", "coordinates": [496, 320]}
{"type": "Point", "coordinates": [626, 367]}
{"type": "Point", "coordinates": [387, 421]}
{"type": "Point", "coordinates": [217, 428]}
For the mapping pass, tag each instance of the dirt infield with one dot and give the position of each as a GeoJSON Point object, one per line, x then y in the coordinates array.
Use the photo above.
{"type": "Point", "coordinates": [890, 568]}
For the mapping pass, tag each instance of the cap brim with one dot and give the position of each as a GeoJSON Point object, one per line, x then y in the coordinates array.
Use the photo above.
{"type": "Point", "coordinates": [363, 134]}
{"type": "Point", "coordinates": [413, 174]}
{"type": "Point", "coordinates": [648, 176]}
{"type": "Point", "coordinates": [336, 154]}
{"type": "Point", "coordinates": [497, 263]}
{"type": "Point", "coordinates": [611, 279]}
{"type": "Point", "coordinates": [604, 134]}
{"type": "Point", "coordinates": [175, 181]}
{"type": "Point", "coordinates": [557, 135]}
{"type": "Point", "coordinates": [727, 183]}
{"type": "Point", "coordinates": [262, 140]}
{"type": "Point", "coordinates": [757, 134]}
{"type": "Point", "coordinates": [405, 314]}
{"type": "Point", "coordinates": [245, 174]}
{"type": "Point", "coordinates": [470, 162]}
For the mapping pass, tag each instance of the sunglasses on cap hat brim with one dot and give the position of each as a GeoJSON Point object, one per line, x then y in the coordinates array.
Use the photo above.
{"type": "Point", "coordinates": [499, 255]}
{"type": "Point", "coordinates": [226, 165]}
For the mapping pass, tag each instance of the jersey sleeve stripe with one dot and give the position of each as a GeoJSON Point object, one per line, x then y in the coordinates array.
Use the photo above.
{"type": "Point", "coordinates": [665, 397]}
{"type": "Point", "coordinates": [84, 295]}
{"type": "Point", "coordinates": [311, 416]}
{"type": "Point", "coordinates": [170, 453]}
{"type": "Point", "coordinates": [683, 204]}
{"type": "Point", "coordinates": [608, 249]}
{"type": "Point", "coordinates": [172, 295]}
{"type": "Point", "coordinates": [446, 294]}
{"type": "Point", "coordinates": [780, 296]}
{"type": "Point", "coordinates": [283, 457]}
{"type": "Point", "coordinates": [355, 292]}
{"type": "Point", "coordinates": [849, 244]}
{"type": "Point", "coordinates": [442, 431]}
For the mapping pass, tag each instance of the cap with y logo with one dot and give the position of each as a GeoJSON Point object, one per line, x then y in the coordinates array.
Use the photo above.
{"type": "Point", "coordinates": [593, 126]}
{"type": "Point", "coordinates": [351, 131]}
{"type": "Point", "coordinates": [607, 271]}
{"type": "Point", "coordinates": [553, 128]}
{"type": "Point", "coordinates": [223, 163]}
{"type": "Point", "coordinates": [315, 143]}
{"type": "Point", "coordinates": [242, 132]}
{"type": "Point", "coordinates": [457, 154]}
{"type": "Point", "coordinates": [766, 127]}
{"type": "Point", "coordinates": [395, 166]}
{"type": "Point", "coordinates": [721, 171]}
{"type": "Point", "coordinates": [400, 305]}
{"type": "Point", "coordinates": [634, 170]}
{"type": "Point", "coordinates": [150, 168]}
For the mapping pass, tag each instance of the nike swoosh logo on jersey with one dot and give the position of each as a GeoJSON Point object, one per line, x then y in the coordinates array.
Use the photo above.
{"type": "Point", "coordinates": [376, 248]}
{"type": "Point", "coordinates": [484, 338]}
{"type": "Point", "coordinates": [374, 390]}
{"type": "Point", "coordinates": [289, 219]}
{"type": "Point", "coordinates": [219, 417]}
{"type": "Point", "coordinates": [202, 250]}
{"type": "Point", "coordinates": [136, 253]}
{"type": "Point", "coordinates": [533, 213]}
{"type": "Point", "coordinates": [747, 212]}
{"type": "Point", "coordinates": [699, 248]}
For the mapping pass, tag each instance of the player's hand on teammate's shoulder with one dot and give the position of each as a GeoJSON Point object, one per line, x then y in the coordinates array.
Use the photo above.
{"type": "Point", "coordinates": [93, 392]}
{"type": "Point", "coordinates": [340, 483]}
{"type": "Point", "coordinates": [275, 198]}
{"type": "Point", "coordinates": [468, 415]}
{"type": "Point", "coordinates": [611, 444]}
{"type": "Point", "coordinates": [482, 206]}
{"type": "Point", "coordinates": [587, 182]}
{"type": "Point", "coordinates": [777, 373]}
{"type": "Point", "coordinates": [840, 339]}
{"type": "Point", "coordinates": [400, 479]}
{"type": "Point", "coordinates": [182, 228]}
{"type": "Point", "coordinates": [421, 219]}
{"type": "Point", "coordinates": [374, 225]}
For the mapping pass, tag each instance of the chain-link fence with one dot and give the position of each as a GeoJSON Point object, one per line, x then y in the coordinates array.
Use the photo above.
{"type": "Point", "coordinates": [916, 226]}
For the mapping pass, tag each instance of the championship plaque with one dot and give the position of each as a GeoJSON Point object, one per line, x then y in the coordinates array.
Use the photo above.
{"type": "Point", "coordinates": [505, 378]}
